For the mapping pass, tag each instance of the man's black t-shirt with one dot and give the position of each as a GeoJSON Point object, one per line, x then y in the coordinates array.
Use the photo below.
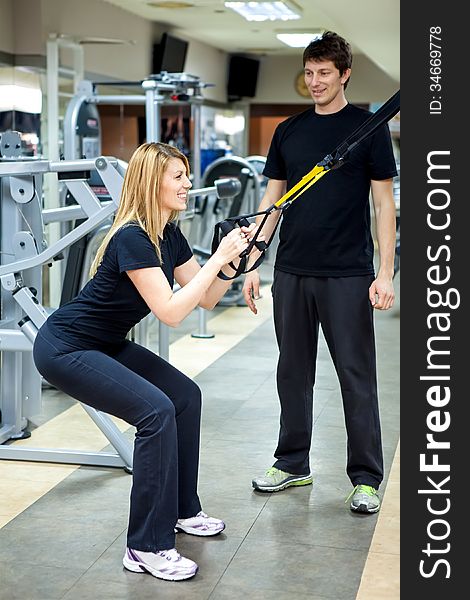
{"type": "Point", "coordinates": [110, 305]}
{"type": "Point", "coordinates": [326, 231]}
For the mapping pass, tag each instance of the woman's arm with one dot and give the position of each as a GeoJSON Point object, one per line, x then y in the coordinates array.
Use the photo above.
{"type": "Point", "coordinates": [172, 307]}
{"type": "Point", "coordinates": [185, 273]}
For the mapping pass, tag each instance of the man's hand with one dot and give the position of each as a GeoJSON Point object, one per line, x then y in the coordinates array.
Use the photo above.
{"type": "Point", "coordinates": [381, 293]}
{"type": "Point", "coordinates": [251, 290]}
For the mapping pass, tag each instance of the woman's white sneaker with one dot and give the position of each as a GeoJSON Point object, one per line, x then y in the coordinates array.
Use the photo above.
{"type": "Point", "coordinates": [164, 564]}
{"type": "Point", "coordinates": [201, 525]}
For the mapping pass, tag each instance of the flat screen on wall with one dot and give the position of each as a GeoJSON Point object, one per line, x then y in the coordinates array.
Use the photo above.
{"type": "Point", "coordinates": [242, 77]}
{"type": "Point", "coordinates": [169, 55]}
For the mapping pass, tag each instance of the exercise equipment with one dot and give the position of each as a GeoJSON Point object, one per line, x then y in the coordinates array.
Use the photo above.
{"type": "Point", "coordinates": [208, 211]}
{"type": "Point", "coordinates": [24, 253]}
{"type": "Point", "coordinates": [161, 89]}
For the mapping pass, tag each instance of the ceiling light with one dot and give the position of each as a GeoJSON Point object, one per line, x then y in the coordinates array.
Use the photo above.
{"type": "Point", "coordinates": [284, 10]}
{"type": "Point", "coordinates": [299, 40]}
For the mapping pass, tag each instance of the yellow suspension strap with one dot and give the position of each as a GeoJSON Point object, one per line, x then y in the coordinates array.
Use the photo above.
{"type": "Point", "coordinates": [230, 223]}
{"type": "Point", "coordinates": [331, 161]}
{"type": "Point", "coordinates": [307, 181]}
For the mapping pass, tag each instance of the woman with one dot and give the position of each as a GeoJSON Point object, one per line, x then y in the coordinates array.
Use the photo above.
{"type": "Point", "coordinates": [82, 350]}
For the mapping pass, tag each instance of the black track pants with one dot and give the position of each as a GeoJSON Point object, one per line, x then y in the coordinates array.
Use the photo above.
{"type": "Point", "coordinates": [341, 306]}
{"type": "Point", "coordinates": [164, 405]}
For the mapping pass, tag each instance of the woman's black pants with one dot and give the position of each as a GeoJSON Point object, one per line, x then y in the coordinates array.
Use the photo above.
{"type": "Point", "coordinates": [130, 382]}
{"type": "Point", "coordinates": [341, 306]}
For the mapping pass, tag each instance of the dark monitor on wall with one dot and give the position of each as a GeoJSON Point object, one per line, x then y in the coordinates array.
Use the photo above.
{"type": "Point", "coordinates": [242, 77]}
{"type": "Point", "coordinates": [169, 55]}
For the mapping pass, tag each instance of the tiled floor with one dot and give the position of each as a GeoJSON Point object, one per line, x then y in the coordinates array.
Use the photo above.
{"type": "Point", "coordinates": [68, 536]}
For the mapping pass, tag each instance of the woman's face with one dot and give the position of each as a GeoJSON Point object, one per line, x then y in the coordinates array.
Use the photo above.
{"type": "Point", "coordinates": [175, 187]}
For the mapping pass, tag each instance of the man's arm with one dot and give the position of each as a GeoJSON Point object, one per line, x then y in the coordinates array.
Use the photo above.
{"type": "Point", "coordinates": [275, 189]}
{"type": "Point", "coordinates": [381, 291]}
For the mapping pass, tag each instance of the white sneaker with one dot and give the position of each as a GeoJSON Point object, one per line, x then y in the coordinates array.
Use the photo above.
{"type": "Point", "coordinates": [164, 564]}
{"type": "Point", "coordinates": [201, 525]}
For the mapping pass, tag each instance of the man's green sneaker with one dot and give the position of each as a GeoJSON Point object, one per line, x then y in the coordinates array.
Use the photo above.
{"type": "Point", "coordinates": [275, 480]}
{"type": "Point", "coordinates": [364, 499]}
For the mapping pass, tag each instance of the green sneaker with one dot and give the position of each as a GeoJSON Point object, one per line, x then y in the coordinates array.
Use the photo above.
{"type": "Point", "coordinates": [275, 480]}
{"type": "Point", "coordinates": [364, 499]}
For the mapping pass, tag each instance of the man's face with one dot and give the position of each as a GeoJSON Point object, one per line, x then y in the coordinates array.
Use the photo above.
{"type": "Point", "coordinates": [323, 81]}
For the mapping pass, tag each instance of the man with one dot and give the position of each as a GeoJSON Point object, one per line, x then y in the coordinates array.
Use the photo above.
{"type": "Point", "coordinates": [324, 273]}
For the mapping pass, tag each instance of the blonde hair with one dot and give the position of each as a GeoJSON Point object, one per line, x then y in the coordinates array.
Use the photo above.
{"type": "Point", "coordinates": [140, 197]}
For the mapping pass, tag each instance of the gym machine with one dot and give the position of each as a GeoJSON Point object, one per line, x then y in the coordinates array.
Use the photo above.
{"type": "Point", "coordinates": [161, 89]}
{"type": "Point", "coordinates": [24, 252]}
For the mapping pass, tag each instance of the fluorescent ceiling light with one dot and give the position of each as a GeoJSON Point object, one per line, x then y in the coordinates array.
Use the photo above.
{"type": "Point", "coordinates": [266, 11]}
{"type": "Point", "coordinates": [298, 40]}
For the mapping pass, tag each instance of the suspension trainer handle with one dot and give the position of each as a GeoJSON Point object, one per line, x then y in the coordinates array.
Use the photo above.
{"type": "Point", "coordinates": [243, 222]}
{"type": "Point", "coordinates": [222, 229]}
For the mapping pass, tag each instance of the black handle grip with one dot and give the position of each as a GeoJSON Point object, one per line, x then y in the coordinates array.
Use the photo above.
{"type": "Point", "coordinates": [245, 223]}
{"type": "Point", "coordinates": [227, 188]}
{"type": "Point", "coordinates": [226, 227]}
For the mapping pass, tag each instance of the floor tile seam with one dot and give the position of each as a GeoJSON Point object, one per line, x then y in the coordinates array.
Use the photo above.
{"type": "Point", "coordinates": [292, 593]}
{"type": "Point", "coordinates": [37, 562]}
{"type": "Point", "coordinates": [97, 559]}
{"type": "Point", "coordinates": [220, 317]}
{"type": "Point", "coordinates": [242, 540]}
{"type": "Point", "coordinates": [297, 544]}
{"type": "Point", "coordinates": [225, 569]}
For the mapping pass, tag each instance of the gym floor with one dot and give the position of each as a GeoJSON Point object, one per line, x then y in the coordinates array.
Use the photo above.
{"type": "Point", "coordinates": [63, 527]}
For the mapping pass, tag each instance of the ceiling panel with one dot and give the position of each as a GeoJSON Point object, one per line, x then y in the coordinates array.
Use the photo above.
{"type": "Point", "coordinates": [371, 26]}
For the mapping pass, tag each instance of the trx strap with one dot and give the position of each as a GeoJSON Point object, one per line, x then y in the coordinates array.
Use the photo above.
{"type": "Point", "coordinates": [331, 161]}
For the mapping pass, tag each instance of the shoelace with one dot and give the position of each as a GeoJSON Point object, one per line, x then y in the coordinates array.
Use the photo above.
{"type": "Point", "coordinates": [172, 554]}
{"type": "Point", "coordinates": [201, 514]}
{"type": "Point", "coordinates": [272, 471]}
{"type": "Point", "coordinates": [362, 489]}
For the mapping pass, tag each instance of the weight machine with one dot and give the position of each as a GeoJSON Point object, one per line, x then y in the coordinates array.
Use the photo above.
{"type": "Point", "coordinates": [24, 252]}
{"type": "Point", "coordinates": [159, 90]}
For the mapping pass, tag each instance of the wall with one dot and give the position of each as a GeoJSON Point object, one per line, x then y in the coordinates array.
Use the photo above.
{"type": "Point", "coordinates": [277, 76]}
{"type": "Point", "coordinates": [94, 18]}
{"type": "Point", "coordinates": [261, 133]}
{"type": "Point", "coordinates": [25, 26]}
{"type": "Point", "coordinates": [27, 30]}
{"type": "Point", "coordinates": [120, 136]}
{"type": "Point", "coordinates": [6, 26]}
{"type": "Point", "coordinates": [34, 20]}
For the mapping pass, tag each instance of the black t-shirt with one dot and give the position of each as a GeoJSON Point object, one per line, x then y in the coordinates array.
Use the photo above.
{"type": "Point", "coordinates": [110, 305]}
{"type": "Point", "coordinates": [326, 231]}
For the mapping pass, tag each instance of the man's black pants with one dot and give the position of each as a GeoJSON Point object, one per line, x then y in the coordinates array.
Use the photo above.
{"type": "Point", "coordinates": [341, 306]}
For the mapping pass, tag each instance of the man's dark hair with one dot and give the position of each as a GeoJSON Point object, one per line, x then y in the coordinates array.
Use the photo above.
{"type": "Point", "coordinates": [332, 47]}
